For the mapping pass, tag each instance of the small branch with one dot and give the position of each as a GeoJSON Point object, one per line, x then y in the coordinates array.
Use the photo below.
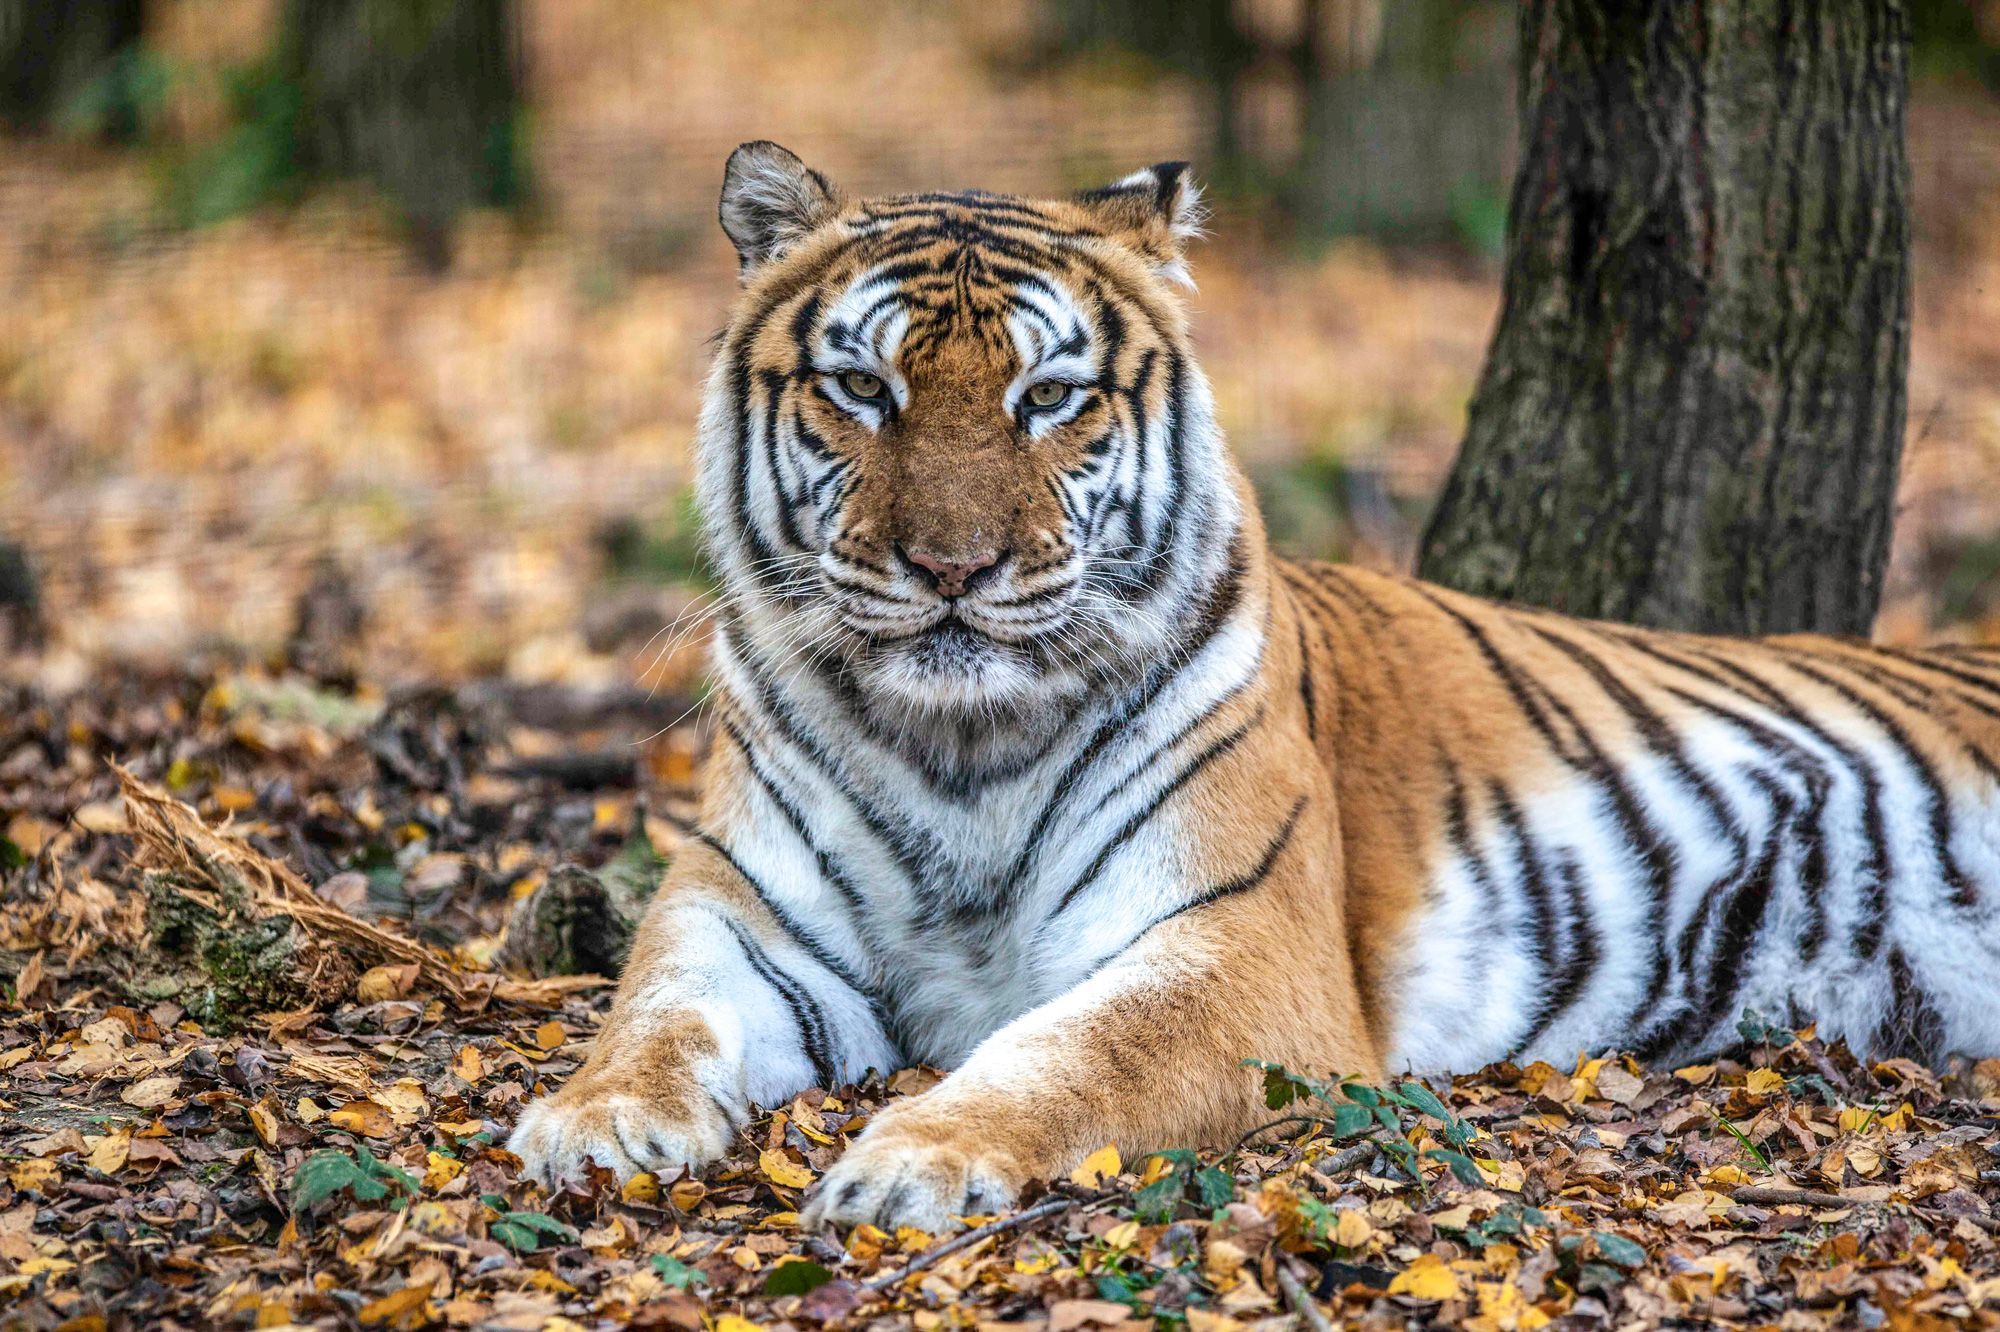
{"type": "Point", "coordinates": [1347, 1158]}
{"type": "Point", "coordinates": [1772, 1196]}
{"type": "Point", "coordinates": [1302, 1303]}
{"type": "Point", "coordinates": [938, 1252]}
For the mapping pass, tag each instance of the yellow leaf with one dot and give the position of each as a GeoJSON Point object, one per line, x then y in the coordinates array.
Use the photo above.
{"type": "Point", "coordinates": [550, 1035]}
{"type": "Point", "coordinates": [1352, 1230]}
{"type": "Point", "coordinates": [1696, 1075]}
{"type": "Point", "coordinates": [468, 1064]}
{"type": "Point", "coordinates": [736, 1323]}
{"type": "Point", "coordinates": [440, 1170]}
{"type": "Point", "coordinates": [266, 1123]}
{"type": "Point", "coordinates": [1854, 1118]}
{"type": "Point", "coordinates": [781, 1169]}
{"type": "Point", "coordinates": [1123, 1235]}
{"type": "Point", "coordinates": [110, 1152]}
{"type": "Point", "coordinates": [308, 1110]}
{"type": "Point", "coordinates": [364, 1117]}
{"type": "Point", "coordinates": [687, 1194]}
{"type": "Point", "coordinates": [1763, 1082]}
{"type": "Point", "coordinates": [641, 1188]}
{"type": "Point", "coordinates": [1099, 1166]}
{"type": "Point", "coordinates": [1042, 1260]}
{"type": "Point", "coordinates": [866, 1242]}
{"type": "Point", "coordinates": [1428, 1278]}
{"type": "Point", "coordinates": [53, 1266]}
{"type": "Point", "coordinates": [398, 1306]}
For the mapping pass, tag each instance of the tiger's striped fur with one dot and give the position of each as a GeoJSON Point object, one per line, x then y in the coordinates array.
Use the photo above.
{"type": "Point", "coordinates": [1034, 762]}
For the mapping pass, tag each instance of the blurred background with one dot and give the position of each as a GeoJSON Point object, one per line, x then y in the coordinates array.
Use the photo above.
{"type": "Point", "coordinates": [365, 336]}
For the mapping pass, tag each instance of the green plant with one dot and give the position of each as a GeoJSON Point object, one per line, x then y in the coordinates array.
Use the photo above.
{"type": "Point", "coordinates": [1352, 1107]}
{"type": "Point", "coordinates": [366, 1176]}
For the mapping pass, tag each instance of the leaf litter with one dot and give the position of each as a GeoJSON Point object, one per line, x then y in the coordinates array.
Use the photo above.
{"type": "Point", "coordinates": [325, 1149]}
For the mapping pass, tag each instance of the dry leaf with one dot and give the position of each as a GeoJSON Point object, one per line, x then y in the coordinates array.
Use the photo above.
{"type": "Point", "coordinates": [1097, 1167]}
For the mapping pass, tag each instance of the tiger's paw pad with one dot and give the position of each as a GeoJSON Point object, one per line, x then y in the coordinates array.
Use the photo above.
{"type": "Point", "coordinates": [624, 1133]}
{"type": "Point", "coordinates": [925, 1186]}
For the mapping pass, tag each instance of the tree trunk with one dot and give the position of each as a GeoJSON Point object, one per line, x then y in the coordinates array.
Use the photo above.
{"type": "Point", "coordinates": [418, 96]}
{"type": "Point", "coordinates": [55, 53]}
{"type": "Point", "coordinates": [1692, 411]}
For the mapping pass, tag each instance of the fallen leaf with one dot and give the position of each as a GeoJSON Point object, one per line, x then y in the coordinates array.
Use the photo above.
{"type": "Point", "coordinates": [779, 1168]}
{"type": "Point", "coordinates": [365, 1118]}
{"type": "Point", "coordinates": [151, 1093]}
{"type": "Point", "coordinates": [1100, 1165]}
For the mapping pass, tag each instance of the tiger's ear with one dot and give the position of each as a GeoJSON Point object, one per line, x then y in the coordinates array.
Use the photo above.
{"type": "Point", "coordinates": [770, 200]}
{"type": "Point", "coordinates": [1157, 211]}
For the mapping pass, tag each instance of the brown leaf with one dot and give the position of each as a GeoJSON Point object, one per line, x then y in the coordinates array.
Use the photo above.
{"type": "Point", "coordinates": [151, 1093]}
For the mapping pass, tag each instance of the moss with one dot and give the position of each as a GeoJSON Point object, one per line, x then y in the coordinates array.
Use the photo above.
{"type": "Point", "coordinates": [225, 966]}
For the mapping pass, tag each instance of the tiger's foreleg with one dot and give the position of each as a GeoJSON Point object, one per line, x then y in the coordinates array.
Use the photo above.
{"type": "Point", "coordinates": [1146, 1053]}
{"type": "Point", "coordinates": [721, 1006]}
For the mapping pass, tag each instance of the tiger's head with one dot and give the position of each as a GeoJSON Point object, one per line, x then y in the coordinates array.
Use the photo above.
{"type": "Point", "coordinates": [955, 446]}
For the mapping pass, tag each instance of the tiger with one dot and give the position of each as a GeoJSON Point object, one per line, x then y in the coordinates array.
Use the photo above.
{"type": "Point", "coordinates": [1033, 763]}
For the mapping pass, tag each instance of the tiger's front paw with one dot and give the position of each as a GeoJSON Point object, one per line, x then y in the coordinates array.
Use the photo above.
{"type": "Point", "coordinates": [624, 1129]}
{"type": "Point", "coordinates": [891, 1179]}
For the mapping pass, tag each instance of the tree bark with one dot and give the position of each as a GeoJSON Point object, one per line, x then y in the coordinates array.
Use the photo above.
{"type": "Point", "coordinates": [417, 96]}
{"type": "Point", "coordinates": [1692, 411]}
{"type": "Point", "coordinates": [52, 51]}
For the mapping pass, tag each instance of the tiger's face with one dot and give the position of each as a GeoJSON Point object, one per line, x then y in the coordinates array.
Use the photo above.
{"type": "Point", "coordinates": [953, 444]}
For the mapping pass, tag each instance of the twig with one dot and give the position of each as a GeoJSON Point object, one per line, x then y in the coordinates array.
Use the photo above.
{"type": "Point", "coordinates": [1771, 1195]}
{"type": "Point", "coordinates": [938, 1252]}
{"type": "Point", "coordinates": [1302, 1304]}
{"type": "Point", "coordinates": [1774, 1196]}
{"type": "Point", "coordinates": [1347, 1158]}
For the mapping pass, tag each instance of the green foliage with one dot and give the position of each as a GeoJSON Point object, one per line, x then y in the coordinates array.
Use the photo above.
{"type": "Point", "coordinates": [1598, 1261]}
{"type": "Point", "coordinates": [523, 1232]}
{"type": "Point", "coordinates": [1479, 218]}
{"type": "Point", "coordinates": [796, 1277]}
{"type": "Point", "coordinates": [367, 1179]}
{"type": "Point", "coordinates": [123, 100]}
{"type": "Point", "coordinates": [1349, 1107]}
{"type": "Point", "coordinates": [677, 1274]}
{"type": "Point", "coordinates": [1187, 1180]}
{"type": "Point", "coordinates": [1756, 1031]}
{"type": "Point", "coordinates": [255, 162]}
{"type": "Point", "coordinates": [11, 856]}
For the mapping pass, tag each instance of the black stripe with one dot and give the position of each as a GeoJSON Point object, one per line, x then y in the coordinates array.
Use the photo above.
{"type": "Point", "coordinates": [813, 948]}
{"type": "Point", "coordinates": [1535, 881]}
{"type": "Point", "coordinates": [1140, 817]}
{"type": "Point", "coordinates": [1248, 880]}
{"type": "Point", "coordinates": [806, 1011]}
{"type": "Point", "coordinates": [828, 869]}
{"type": "Point", "coordinates": [1306, 678]}
{"type": "Point", "coordinates": [1879, 869]}
{"type": "Point", "coordinates": [1582, 753]}
{"type": "Point", "coordinates": [1939, 815]}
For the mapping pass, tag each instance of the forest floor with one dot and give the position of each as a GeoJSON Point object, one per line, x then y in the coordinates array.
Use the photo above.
{"type": "Point", "coordinates": [192, 1137]}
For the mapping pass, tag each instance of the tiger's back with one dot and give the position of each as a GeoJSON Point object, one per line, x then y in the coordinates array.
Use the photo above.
{"type": "Point", "coordinates": [1564, 835]}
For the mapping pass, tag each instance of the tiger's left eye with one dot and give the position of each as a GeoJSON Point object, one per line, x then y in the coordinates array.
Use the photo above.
{"type": "Point", "coordinates": [1048, 393]}
{"type": "Point", "coordinates": [863, 385]}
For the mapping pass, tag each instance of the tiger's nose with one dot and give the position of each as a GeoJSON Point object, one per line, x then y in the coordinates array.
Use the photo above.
{"type": "Point", "coordinates": [953, 578]}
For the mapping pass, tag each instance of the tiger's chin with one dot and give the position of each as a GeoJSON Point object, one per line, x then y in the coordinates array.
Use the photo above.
{"type": "Point", "coordinates": [952, 667]}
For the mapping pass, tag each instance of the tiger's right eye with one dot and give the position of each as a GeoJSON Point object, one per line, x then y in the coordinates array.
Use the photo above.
{"type": "Point", "coordinates": [861, 384]}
